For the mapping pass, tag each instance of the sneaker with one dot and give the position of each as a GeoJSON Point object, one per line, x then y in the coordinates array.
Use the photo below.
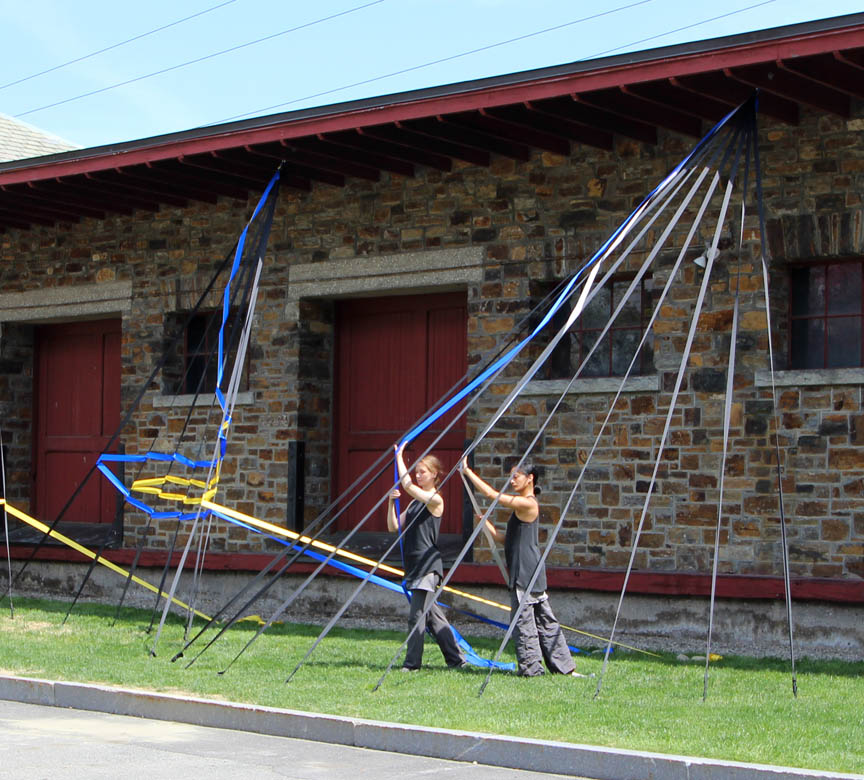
{"type": "Point", "coordinates": [578, 674]}
{"type": "Point", "coordinates": [460, 665]}
{"type": "Point", "coordinates": [409, 669]}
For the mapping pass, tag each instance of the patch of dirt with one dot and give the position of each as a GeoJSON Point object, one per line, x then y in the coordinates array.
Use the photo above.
{"type": "Point", "coordinates": [25, 625]}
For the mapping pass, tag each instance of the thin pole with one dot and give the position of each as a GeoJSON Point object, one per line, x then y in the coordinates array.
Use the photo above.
{"type": "Point", "coordinates": [6, 526]}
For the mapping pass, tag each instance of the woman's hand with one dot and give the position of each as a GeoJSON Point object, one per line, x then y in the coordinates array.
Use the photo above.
{"type": "Point", "coordinates": [392, 520]}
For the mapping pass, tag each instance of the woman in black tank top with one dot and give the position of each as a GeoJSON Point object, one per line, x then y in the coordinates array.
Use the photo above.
{"type": "Point", "coordinates": [421, 522]}
{"type": "Point", "coordinates": [537, 634]}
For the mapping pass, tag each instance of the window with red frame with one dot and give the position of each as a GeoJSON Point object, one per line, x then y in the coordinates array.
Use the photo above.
{"type": "Point", "coordinates": [825, 315]}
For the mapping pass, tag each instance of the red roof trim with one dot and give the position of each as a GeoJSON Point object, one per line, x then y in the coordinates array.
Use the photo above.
{"type": "Point", "coordinates": [488, 96]}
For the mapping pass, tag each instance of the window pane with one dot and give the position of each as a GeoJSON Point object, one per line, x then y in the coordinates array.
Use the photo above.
{"type": "Point", "coordinates": [844, 289]}
{"type": "Point", "coordinates": [624, 344]}
{"type": "Point", "coordinates": [808, 341]}
{"type": "Point", "coordinates": [631, 314]}
{"type": "Point", "coordinates": [807, 290]}
{"type": "Point", "coordinates": [596, 313]}
{"type": "Point", "coordinates": [210, 381]}
{"type": "Point", "coordinates": [195, 334]}
{"type": "Point", "coordinates": [844, 342]}
{"type": "Point", "coordinates": [558, 363]}
{"type": "Point", "coordinates": [599, 363]}
{"type": "Point", "coordinates": [194, 371]}
{"type": "Point", "coordinates": [587, 328]}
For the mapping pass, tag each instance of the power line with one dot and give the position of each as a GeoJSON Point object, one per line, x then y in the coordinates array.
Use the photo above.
{"type": "Point", "coordinates": [439, 61]}
{"type": "Point", "coordinates": [206, 57]}
{"type": "Point", "coordinates": [494, 45]}
{"type": "Point", "coordinates": [386, 75]}
{"type": "Point", "coordinates": [117, 45]}
{"type": "Point", "coordinates": [679, 29]}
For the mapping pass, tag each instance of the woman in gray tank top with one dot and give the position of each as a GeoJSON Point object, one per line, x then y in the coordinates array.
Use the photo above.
{"type": "Point", "coordinates": [537, 634]}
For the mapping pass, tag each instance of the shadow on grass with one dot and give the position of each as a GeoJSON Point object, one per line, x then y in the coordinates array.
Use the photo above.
{"type": "Point", "coordinates": [742, 663]}
{"type": "Point", "coordinates": [140, 617]}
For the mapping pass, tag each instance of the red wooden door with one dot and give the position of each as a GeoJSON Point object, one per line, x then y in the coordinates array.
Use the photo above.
{"type": "Point", "coordinates": [395, 358]}
{"type": "Point", "coordinates": [77, 411]}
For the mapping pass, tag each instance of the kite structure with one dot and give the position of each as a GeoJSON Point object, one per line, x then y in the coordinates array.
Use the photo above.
{"type": "Point", "coordinates": [711, 190]}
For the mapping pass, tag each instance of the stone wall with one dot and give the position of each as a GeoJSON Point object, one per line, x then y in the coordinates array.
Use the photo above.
{"type": "Point", "coordinates": [531, 223]}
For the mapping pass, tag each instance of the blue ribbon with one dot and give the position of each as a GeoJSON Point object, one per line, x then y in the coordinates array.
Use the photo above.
{"type": "Point", "coordinates": [226, 417]}
{"type": "Point", "coordinates": [470, 654]}
{"type": "Point", "coordinates": [559, 301]}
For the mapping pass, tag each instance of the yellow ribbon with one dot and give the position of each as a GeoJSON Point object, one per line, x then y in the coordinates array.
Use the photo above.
{"type": "Point", "coordinates": [90, 554]}
{"type": "Point", "coordinates": [280, 531]}
{"type": "Point", "coordinates": [284, 532]}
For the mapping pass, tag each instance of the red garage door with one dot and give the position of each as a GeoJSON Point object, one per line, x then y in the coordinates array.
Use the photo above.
{"type": "Point", "coordinates": [395, 358]}
{"type": "Point", "coordinates": [77, 411]}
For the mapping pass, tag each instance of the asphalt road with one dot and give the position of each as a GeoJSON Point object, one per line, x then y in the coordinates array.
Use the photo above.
{"type": "Point", "coordinates": [39, 742]}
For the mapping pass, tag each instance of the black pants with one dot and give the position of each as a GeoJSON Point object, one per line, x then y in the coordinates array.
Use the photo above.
{"type": "Point", "coordinates": [538, 637]}
{"type": "Point", "coordinates": [437, 625]}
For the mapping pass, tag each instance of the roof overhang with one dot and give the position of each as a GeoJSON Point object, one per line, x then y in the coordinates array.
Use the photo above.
{"type": "Point", "coordinates": [682, 88]}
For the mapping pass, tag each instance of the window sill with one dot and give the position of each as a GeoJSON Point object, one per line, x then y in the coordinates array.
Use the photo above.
{"type": "Point", "coordinates": [812, 377]}
{"type": "Point", "coordinates": [172, 401]}
{"type": "Point", "coordinates": [593, 385]}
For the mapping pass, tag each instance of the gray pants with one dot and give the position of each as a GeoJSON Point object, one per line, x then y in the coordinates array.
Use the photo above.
{"type": "Point", "coordinates": [538, 637]}
{"type": "Point", "coordinates": [438, 627]}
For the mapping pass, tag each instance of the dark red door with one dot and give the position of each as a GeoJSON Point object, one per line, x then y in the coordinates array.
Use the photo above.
{"type": "Point", "coordinates": [395, 358]}
{"type": "Point", "coordinates": [77, 411]}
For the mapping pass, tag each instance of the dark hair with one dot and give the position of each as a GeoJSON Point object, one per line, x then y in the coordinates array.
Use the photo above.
{"type": "Point", "coordinates": [529, 469]}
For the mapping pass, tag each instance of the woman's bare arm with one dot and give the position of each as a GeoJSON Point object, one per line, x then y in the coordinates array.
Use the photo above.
{"type": "Point", "coordinates": [432, 498]}
{"type": "Point", "coordinates": [392, 523]}
{"type": "Point", "coordinates": [523, 505]}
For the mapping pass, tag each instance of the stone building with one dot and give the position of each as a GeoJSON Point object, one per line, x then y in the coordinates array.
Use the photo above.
{"type": "Point", "coordinates": [412, 235]}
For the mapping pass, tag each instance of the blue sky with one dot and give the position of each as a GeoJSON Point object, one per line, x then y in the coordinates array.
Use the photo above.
{"type": "Point", "coordinates": [316, 64]}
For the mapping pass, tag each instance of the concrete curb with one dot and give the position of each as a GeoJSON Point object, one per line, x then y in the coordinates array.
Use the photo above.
{"type": "Point", "coordinates": [511, 752]}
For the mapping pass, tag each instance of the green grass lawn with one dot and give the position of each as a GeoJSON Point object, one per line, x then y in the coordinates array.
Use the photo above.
{"type": "Point", "coordinates": [646, 703]}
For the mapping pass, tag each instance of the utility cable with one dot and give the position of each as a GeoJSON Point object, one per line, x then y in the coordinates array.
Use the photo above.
{"type": "Point", "coordinates": [677, 29]}
{"type": "Point", "coordinates": [117, 45]}
{"type": "Point", "coordinates": [438, 61]}
{"type": "Point", "coordinates": [199, 59]}
{"type": "Point", "coordinates": [492, 46]}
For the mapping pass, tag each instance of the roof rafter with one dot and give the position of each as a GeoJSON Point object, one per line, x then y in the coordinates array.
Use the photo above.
{"type": "Point", "coordinates": [325, 162]}
{"type": "Point", "coordinates": [334, 146]}
{"type": "Point", "coordinates": [526, 115]}
{"type": "Point", "coordinates": [442, 127]}
{"type": "Point", "coordinates": [570, 108]}
{"type": "Point", "coordinates": [786, 84]}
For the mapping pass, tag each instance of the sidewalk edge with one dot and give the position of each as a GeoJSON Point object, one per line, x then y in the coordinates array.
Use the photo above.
{"type": "Point", "coordinates": [490, 749]}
